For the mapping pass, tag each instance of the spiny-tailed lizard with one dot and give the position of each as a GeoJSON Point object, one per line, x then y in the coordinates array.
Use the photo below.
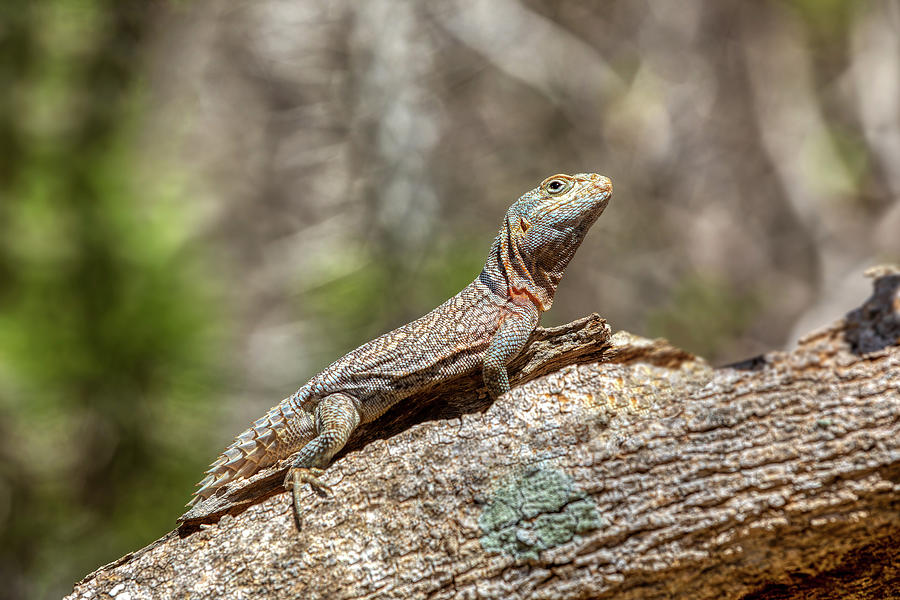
{"type": "Point", "coordinates": [483, 327]}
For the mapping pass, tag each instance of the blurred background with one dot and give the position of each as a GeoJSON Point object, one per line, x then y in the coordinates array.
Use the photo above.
{"type": "Point", "coordinates": [204, 203]}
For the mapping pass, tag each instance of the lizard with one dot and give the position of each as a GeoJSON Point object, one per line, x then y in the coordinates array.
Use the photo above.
{"type": "Point", "coordinates": [484, 327]}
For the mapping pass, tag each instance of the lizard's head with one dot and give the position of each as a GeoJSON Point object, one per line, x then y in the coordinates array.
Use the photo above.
{"type": "Point", "coordinates": [543, 229]}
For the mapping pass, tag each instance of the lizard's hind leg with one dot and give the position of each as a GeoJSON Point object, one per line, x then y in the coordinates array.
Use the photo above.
{"type": "Point", "coordinates": [337, 416]}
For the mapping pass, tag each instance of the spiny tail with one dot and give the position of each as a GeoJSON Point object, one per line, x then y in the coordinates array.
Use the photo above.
{"type": "Point", "coordinates": [258, 447]}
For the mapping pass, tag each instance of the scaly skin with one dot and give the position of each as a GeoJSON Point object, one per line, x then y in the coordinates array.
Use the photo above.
{"type": "Point", "coordinates": [484, 326]}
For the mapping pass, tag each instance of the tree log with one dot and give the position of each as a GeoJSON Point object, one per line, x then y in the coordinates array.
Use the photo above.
{"type": "Point", "coordinates": [616, 467]}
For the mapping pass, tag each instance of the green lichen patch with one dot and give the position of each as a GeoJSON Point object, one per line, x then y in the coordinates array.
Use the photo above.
{"type": "Point", "coordinates": [539, 509]}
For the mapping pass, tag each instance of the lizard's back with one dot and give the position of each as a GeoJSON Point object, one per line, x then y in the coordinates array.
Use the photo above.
{"type": "Point", "coordinates": [447, 342]}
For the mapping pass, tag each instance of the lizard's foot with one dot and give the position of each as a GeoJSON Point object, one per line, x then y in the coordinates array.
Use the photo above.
{"type": "Point", "coordinates": [294, 480]}
{"type": "Point", "coordinates": [297, 476]}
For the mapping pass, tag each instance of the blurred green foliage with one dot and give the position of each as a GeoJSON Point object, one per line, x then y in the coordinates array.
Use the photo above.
{"type": "Point", "coordinates": [826, 18]}
{"type": "Point", "coordinates": [107, 319]}
{"type": "Point", "coordinates": [704, 314]}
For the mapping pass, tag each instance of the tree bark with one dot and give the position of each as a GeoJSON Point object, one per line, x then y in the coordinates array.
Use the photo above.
{"type": "Point", "coordinates": [617, 467]}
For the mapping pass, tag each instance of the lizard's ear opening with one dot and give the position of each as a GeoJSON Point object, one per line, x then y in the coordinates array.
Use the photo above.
{"type": "Point", "coordinates": [524, 224]}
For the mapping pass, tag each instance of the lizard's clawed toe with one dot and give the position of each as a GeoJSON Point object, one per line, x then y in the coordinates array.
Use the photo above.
{"type": "Point", "coordinates": [297, 476]}
{"type": "Point", "coordinates": [294, 480]}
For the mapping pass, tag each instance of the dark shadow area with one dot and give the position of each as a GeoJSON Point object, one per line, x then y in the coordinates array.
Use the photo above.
{"type": "Point", "coordinates": [757, 363]}
{"type": "Point", "coordinates": [869, 573]}
{"type": "Point", "coordinates": [876, 324]}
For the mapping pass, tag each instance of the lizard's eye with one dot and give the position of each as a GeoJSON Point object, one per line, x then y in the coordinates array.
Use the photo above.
{"type": "Point", "coordinates": [555, 187]}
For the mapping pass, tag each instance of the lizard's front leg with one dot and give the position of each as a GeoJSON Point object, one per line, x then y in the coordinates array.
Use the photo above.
{"type": "Point", "coordinates": [509, 339]}
{"type": "Point", "coordinates": [337, 415]}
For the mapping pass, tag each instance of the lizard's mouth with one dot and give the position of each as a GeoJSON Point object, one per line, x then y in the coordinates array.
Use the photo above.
{"type": "Point", "coordinates": [601, 192]}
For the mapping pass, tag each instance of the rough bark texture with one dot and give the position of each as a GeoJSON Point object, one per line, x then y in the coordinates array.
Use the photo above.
{"type": "Point", "coordinates": [639, 472]}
